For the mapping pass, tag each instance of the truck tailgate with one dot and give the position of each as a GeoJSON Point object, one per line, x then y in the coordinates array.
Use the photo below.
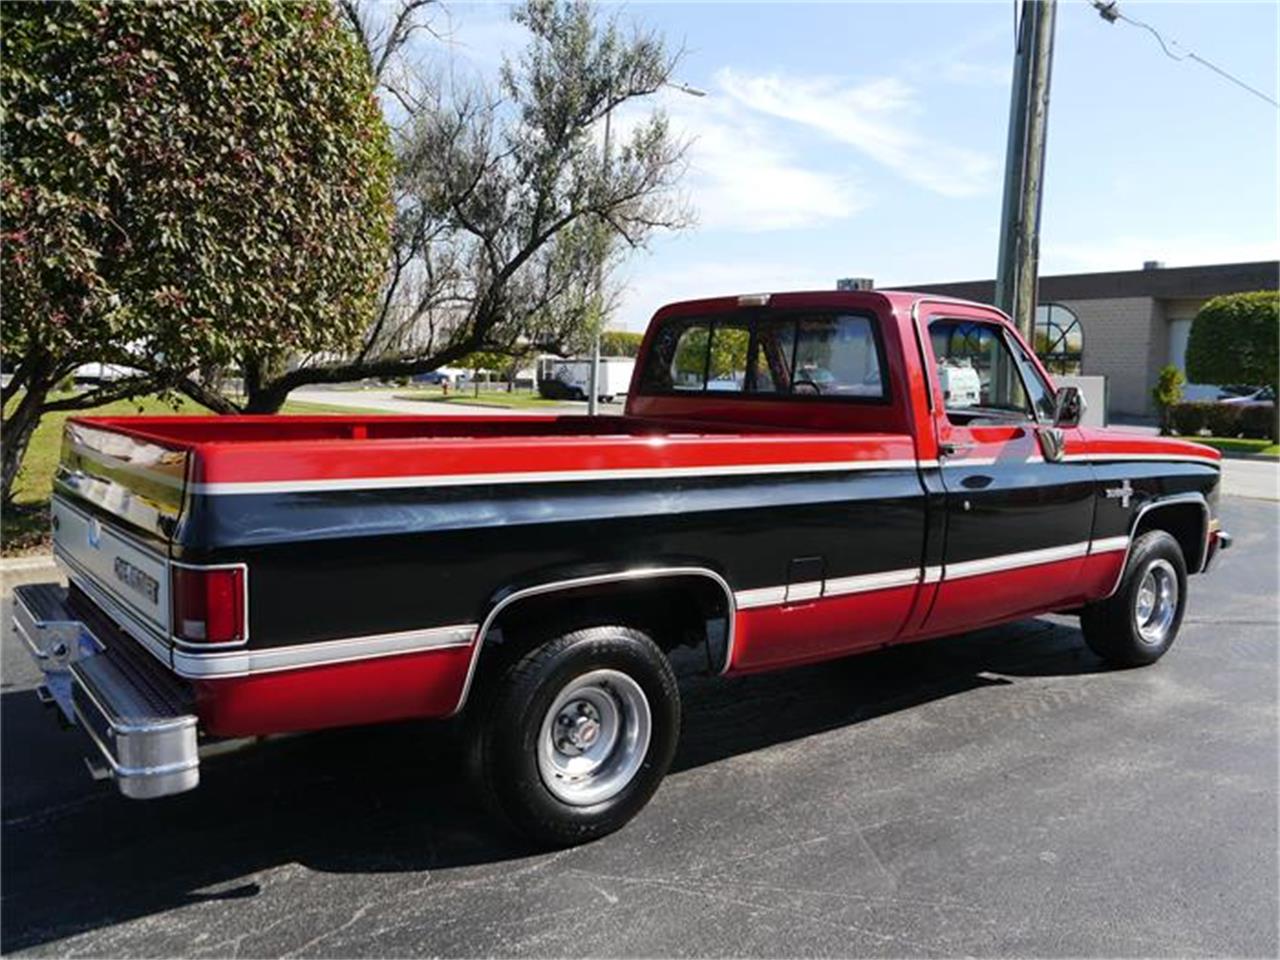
{"type": "Point", "coordinates": [116, 504]}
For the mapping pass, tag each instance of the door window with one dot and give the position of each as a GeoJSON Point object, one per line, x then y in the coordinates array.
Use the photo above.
{"type": "Point", "coordinates": [978, 373]}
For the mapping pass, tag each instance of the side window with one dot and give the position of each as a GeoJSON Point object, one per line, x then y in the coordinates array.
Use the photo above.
{"type": "Point", "coordinates": [977, 372]}
{"type": "Point", "coordinates": [678, 357]}
{"type": "Point", "coordinates": [727, 366]}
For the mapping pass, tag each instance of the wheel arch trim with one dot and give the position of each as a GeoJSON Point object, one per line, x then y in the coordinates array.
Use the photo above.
{"type": "Point", "coordinates": [1174, 500]}
{"type": "Point", "coordinates": [631, 575]}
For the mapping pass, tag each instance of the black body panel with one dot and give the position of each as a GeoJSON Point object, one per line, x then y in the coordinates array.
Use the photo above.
{"type": "Point", "coordinates": [334, 564]}
{"type": "Point", "coordinates": [1016, 507]}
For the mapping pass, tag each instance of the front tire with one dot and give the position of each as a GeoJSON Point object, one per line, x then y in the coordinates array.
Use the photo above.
{"type": "Point", "coordinates": [577, 734]}
{"type": "Point", "coordinates": [1137, 624]}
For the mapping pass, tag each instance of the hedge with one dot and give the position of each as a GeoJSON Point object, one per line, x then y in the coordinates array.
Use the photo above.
{"type": "Point", "coordinates": [1188, 418]}
{"type": "Point", "coordinates": [1257, 421]}
{"type": "Point", "coordinates": [1260, 422]}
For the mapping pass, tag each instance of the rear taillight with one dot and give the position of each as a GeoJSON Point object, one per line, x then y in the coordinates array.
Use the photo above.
{"type": "Point", "coordinates": [209, 604]}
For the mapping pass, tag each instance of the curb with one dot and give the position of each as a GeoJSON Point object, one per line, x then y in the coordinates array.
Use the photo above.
{"type": "Point", "coordinates": [20, 564]}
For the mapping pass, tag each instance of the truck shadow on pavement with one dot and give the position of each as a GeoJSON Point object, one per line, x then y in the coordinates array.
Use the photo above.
{"type": "Point", "coordinates": [77, 856]}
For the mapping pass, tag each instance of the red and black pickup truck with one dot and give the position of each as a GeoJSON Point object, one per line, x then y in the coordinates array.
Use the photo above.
{"type": "Point", "coordinates": [796, 477]}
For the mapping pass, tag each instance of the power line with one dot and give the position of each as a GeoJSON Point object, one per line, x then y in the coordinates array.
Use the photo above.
{"type": "Point", "coordinates": [1110, 12]}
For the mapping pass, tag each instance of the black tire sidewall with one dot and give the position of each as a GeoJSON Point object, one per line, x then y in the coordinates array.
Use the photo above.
{"type": "Point", "coordinates": [1150, 547]}
{"type": "Point", "coordinates": [515, 724]}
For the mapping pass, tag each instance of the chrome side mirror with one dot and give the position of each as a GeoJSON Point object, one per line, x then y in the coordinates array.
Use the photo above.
{"type": "Point", "coordinates": [1068, 407]}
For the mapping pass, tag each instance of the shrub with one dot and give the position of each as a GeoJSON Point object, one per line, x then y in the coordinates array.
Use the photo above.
{"type": "Point", "coordinates": [1188, 418]}
{"type": "Point", "coordinates": [1222, 419]}
{"type": "Point", "coordinates": [1167, 392]}
{"type": "Point", "coordinates": [1260, 422]}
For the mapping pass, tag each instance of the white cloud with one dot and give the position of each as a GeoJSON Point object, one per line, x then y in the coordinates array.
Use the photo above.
{"type": "Point", "coordinates": [744, 176]}
{"type": "Point", "coordinates": [742, 179]}
{"type": "Point", "coordinates": [867, 117]}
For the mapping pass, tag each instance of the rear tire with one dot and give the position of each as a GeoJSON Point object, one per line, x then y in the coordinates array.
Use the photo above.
{"type": "Point", "coordinates": [576, 735]}
{"type": "Point", "coordinates": [1137, 624]}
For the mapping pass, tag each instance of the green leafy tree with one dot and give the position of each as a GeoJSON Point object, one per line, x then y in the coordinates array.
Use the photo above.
{"type": "Point", "coordinates": [1234, 339]}
{"type": "Point", "coordinates": [186, 189]}
{"type": "Point", "coordinates": [620, 343]}
{"type": "Point", "coordinates": [1167, 393]}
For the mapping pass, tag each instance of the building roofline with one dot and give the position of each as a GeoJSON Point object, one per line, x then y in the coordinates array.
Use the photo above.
{"type": "Point", "coordinates": [1162, 283]}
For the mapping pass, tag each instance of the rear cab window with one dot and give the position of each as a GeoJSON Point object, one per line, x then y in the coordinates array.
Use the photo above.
{"type": "Point", "coordinates": [834, 356]}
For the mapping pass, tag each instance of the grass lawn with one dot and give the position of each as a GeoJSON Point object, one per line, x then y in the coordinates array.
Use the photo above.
{"type": "Point", "coordinates": [1263, 448]}
{"type": "Point", "coordinates": [487, 398]}
{"type": "Point", "coordinates": [25, 527]}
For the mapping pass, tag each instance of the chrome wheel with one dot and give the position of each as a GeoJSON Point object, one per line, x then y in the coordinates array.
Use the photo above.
{"type": "Point", "coordinates": [1156, 604]}
{"type": "Point", "coordinates": [594, 737]}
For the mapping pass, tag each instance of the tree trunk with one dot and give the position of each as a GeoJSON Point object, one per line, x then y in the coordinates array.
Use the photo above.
{"type": "Point", "coordinates": [18, 428]}
{"type": "Point", "coordinates": [265, 400]}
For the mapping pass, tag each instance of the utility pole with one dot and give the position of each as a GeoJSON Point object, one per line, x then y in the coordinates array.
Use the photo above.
{"type": "Point", "coordinates": [593, 379]}
{"type": "Point", "coordinates": [1017, 272]}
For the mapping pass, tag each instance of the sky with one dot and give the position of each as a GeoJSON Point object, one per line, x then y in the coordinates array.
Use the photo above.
{"type": "Point", "coordinates": [868, 139]}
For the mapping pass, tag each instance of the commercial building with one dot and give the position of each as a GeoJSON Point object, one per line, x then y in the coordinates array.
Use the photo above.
{"type": "Point", "coordinates": [1124, 325]}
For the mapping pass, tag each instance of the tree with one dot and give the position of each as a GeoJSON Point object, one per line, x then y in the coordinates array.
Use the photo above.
{"type": "Point", "coordinates": [506, 206]}
{"type": "Point", "coordinates": [1234, 339]}
{"type": "Point", "coordinates": [1167, 393]}
{"type": "Point", "coordinates": [620, 343]}
{"type": "Point", "coordinates": [186, 188]}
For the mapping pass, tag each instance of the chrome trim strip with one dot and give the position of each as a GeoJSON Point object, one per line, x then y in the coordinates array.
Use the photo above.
{"type": "Point", "coordinates": [762, 597]}
{"type": "Point", "coordinates": [957, 462]}
{"type": "Point", "coordinates": [222, 488]}
{"type": "Point", "coordinates": [809, 590]}
{"type": "Point", "coordinates": [241, 663]}
{"type": "Point", "coordinates": [1178, 498]}
{"type": "Point", "coordinates": [1014, 561]}
{"type": "Point", "coordinates": [1109, 544]}
{"type": "Point", "coordinates": [863, 583]}
{"type": "Point", "coordinates": [932, 574]}
{"type": "Point", "coordinates": [1121, 457]}
{"type": "Point", "coordinates": [641, 573]}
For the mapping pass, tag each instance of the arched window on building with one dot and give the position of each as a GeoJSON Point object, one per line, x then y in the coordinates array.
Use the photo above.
{"type": "Point", "coordinates": [1059, 338]}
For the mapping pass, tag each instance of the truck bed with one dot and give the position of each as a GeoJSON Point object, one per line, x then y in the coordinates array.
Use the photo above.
{"type": "Point", "coordinates": [226, 455]}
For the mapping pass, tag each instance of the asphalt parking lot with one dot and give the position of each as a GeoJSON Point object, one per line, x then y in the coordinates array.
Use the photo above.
{"type": "Point", "coordinates": [998, 794]}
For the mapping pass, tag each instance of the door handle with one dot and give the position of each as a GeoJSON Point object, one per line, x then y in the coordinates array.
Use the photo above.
{"type": "Point", "coordinates": [951, 449]}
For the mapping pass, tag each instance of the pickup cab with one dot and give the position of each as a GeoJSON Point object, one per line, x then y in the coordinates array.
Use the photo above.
{"type": "Point", "coordinates": [796, 477]}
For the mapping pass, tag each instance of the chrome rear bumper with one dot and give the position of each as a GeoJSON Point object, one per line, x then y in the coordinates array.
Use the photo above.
{"type": "Point", "coordinates": [137, 714]}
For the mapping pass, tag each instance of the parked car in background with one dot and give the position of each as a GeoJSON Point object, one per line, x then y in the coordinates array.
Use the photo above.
{"type": "Point", "coordinates": [1250, 396]}
{"type": "Point", "coordinates": [90, 374]}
